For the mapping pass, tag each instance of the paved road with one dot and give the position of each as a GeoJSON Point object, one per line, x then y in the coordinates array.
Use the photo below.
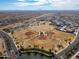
{"type": "Point", "coordinates": [75, 55]}
{"type": "Point", "coordinates": [70, 50]}
{"type": "Point", "coordinates": [9, 42]}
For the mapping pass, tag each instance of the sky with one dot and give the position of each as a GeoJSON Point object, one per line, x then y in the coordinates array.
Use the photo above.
{"type": "Point", "coordinates": [39, 4]}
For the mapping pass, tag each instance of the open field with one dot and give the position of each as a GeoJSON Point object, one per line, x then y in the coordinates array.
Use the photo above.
{"type": "Point", "coordinates": [43, 36]}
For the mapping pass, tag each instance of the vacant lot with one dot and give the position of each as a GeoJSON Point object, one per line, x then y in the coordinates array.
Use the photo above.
{"type": "Point", "coordinates": [43, 36]}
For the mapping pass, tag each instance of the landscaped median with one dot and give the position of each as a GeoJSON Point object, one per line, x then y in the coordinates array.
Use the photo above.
{"type": "Point", "coordinates": [37, 50]}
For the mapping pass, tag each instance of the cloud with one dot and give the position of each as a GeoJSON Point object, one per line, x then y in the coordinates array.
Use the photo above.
{"type": "Point", "coordinates": [64, 4]}
{"type": "Point", "coordinates": [24, 3]}
{"type": "Point", "coordinates": [20, 4]}
{"type": "Point", "coordinates": [58, 4]}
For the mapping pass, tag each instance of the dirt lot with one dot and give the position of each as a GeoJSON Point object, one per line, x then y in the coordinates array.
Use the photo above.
{"type": "Point", "coordinates": [43, 36]}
